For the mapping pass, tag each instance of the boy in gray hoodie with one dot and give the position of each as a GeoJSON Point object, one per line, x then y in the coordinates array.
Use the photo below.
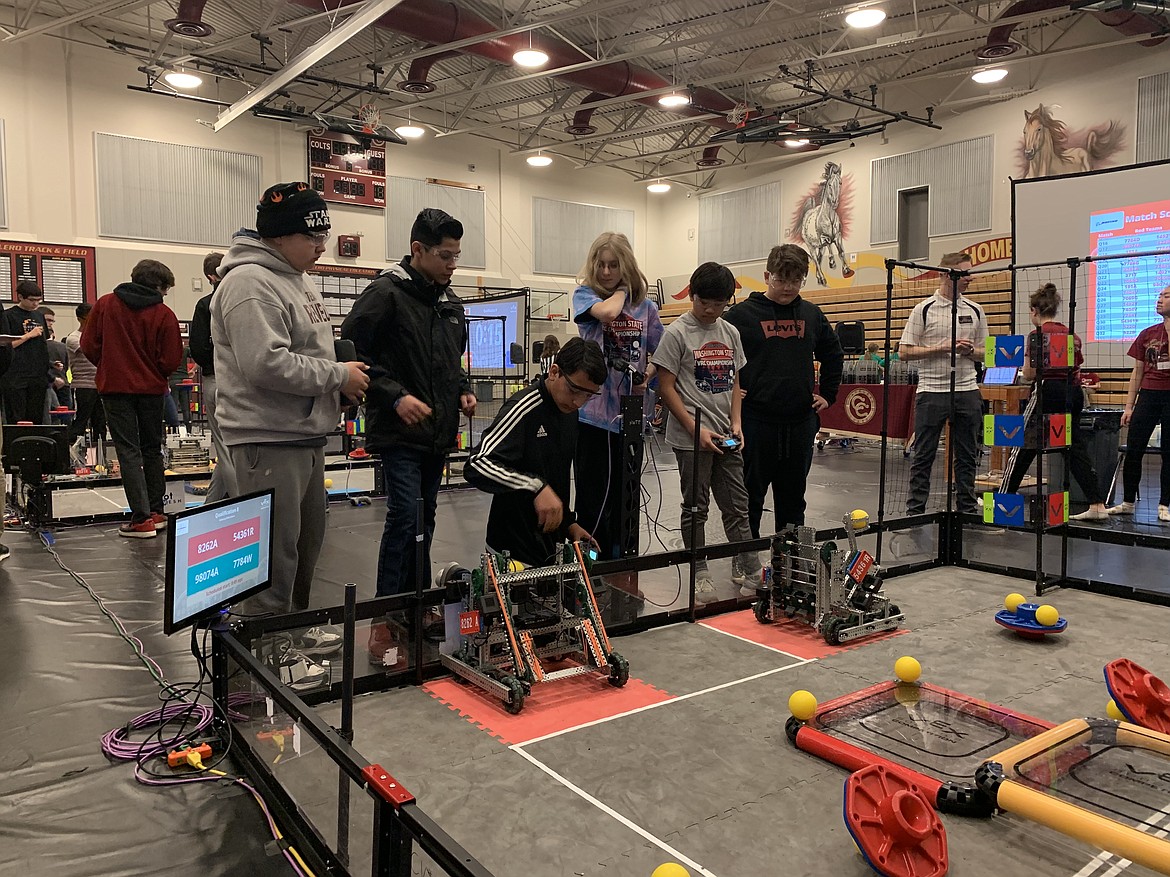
{"type": "Point", "coordinates": [278, 381]}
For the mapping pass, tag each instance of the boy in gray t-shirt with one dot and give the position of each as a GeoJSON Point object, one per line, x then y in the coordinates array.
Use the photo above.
{"type": "Point", "coordinates": [698, 362]}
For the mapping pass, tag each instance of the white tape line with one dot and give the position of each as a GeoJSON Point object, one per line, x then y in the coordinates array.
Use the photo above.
{"type": "Point", "coordinates": [800, 662]}
{"type": "Point", "coordinates": [609, 811]}
{"type": "Point", "coordinates": [752, 641]}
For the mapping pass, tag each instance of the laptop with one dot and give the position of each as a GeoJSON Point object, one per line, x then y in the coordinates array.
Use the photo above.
{"type": "Point", "coordinates": [1000, 375]}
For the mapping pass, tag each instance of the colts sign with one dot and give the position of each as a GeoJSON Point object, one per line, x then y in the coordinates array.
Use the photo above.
{"type": "Point", "coordinates": [860, 406]}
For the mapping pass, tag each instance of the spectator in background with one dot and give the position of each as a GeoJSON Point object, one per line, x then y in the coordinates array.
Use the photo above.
{"type": "Point", "coordinates": [203, 352]}
{"type": "Point", "coordinates": [783, 335]}
{"type": "Point", "coordinates": [59, 394]}
{"type": "Point", "coordinates": [927, 340]}
{"type": "Point", "coordinates": [24, 384]}
{"type": "Point", "coordinates": [279, 388]}
{"type": "Point", "coordinates": [548, 353]}
{"type": "Point", "coordinates": [87, 402]}
{"type": "Point", "coordinates": [5, 363]}
{"type": "Point", "coordinates": [699, 361]}
{"type": "Point", "coordinates": [1147, 405]}
{"type": "Point", "coordinates": [177, 405]}
{"type": "Point", "coordinates": [411, 329]}
{"type": "Point", "coordinates": [133, 339]}
{"type": "Point", "coordinates": [611, 309]}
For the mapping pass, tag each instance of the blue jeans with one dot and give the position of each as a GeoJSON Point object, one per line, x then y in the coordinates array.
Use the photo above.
{"type": "Point", "coordinates": [409, 474]}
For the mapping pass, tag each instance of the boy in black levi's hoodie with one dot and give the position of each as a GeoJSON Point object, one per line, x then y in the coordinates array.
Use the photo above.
{"type": "Point", "coordinates": [782, 334]}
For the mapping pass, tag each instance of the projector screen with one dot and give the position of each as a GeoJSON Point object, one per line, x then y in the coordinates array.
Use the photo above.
{"type": "Point", "coordinates": [1105, 213]}
{"type": "Point", "coordinates": [492, 327]}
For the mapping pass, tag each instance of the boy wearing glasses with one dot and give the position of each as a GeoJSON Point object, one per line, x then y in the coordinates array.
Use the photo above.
{"type": "Point", "coordinates": [525, 457]}
{"type": "Point", "coordinates": [411, 329]}
{"type": "Point", "coordinates": [699, 360]}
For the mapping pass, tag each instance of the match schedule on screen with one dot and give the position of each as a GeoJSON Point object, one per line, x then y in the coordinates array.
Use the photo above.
{"type": "Point", "coordinates": [1122, 292]}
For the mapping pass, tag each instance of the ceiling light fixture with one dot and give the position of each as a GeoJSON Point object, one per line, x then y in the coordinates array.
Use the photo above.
{"type": "Point", "coordinates": [871, 16]}
{"type": "Point", "coordinates": [530, 57]}
{"type": "Point", "coordinates": [409, 131]}
{"type": "Point", "coordinates": [658, 187]}
{"type": "Point", "coordinates": [986, 77]}
{"type": "Point", "coordinates": [539, 160]}
{"type": "Point", "coordinates": [182, 79]}
{"type": "Point", "coordinates": [796, 144]}
{"type": "Point", "coordinates": [673, 100]}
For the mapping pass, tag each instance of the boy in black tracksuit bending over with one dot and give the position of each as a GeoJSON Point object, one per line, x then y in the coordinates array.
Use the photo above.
{"type": "Point", "coordinates": [782, 334]}
{"type": "Point", "coordinates": [525, 457]}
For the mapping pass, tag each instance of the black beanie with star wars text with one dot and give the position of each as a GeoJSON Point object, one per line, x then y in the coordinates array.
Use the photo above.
{"type": "Point", "coordinates": [291, 208]}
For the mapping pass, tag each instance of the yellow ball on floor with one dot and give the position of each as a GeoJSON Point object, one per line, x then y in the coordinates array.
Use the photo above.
{"type": "Point", "coordinates": [802, 704]}
{"type": "Point", "coordinates": [670, 869]}
{"type": "Point", "coordinates": [1012, 601]}
{"type": "Point", "coordinates": [907, 669]}
{"type": "Point", "coordinates": [1047, 615]}
{"type": "Point", "coordinates": [1113, 711]}
{"type": "Point", "coordinates": [860, 519]}
{"type": "Point", "coordinates": [328, 483]}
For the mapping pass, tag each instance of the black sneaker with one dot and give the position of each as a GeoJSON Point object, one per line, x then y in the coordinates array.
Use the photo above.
{"type": "Point", "coordinates": [4, 552]}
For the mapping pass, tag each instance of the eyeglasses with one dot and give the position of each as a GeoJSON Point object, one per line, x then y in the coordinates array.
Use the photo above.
{"type": "Point", "coordinates": [579, 391]}
{"type": "Point", "coordinates": [319, 239]}
{"type": "Point", "coordinates": [444, 255]}
{"type": "Point", "coordinates": [712, 304]}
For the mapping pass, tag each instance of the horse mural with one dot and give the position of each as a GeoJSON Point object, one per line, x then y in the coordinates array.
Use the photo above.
{"type": "Point", "coordinates": [1048, 148]}
{"type": "Point", "coordinates": [822, 218]}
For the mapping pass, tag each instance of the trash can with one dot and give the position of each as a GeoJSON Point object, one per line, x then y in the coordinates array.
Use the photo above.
{"type": "Point", "coordinates": [1100, 428]}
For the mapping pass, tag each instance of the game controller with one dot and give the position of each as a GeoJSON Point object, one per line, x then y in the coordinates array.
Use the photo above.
{"type": "Point", "coordinates": [730, 443]}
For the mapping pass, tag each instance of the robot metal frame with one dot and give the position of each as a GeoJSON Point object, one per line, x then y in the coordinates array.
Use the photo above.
{"type": "Point", "coordinates": [837, 591]}
{"type": "Point", "coordinates": [501, 650]}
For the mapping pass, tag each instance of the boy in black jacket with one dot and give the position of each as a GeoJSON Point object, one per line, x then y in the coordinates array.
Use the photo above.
{"type": "Point", "coordinates": [526, 454]}
{"type": "Point", "coordinates": [411, 330]}
{"type": "Point", "coordinates": [782, 334]}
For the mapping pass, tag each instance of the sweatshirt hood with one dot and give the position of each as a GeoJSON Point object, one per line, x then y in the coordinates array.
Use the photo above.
{"type": "Point", "coordinates": [137, 296]}
{"type": "Point", "coordinates": [249, 250]}
{"type": "Point", "coordinates": [762, 300]}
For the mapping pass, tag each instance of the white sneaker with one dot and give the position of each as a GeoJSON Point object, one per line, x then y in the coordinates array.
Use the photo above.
{"type": "Point", "coordinates": [1092, 515]}
{"type": "Point", "coordinates": [1125, 508]}
{"type": "Point", "coordinates": [1163, 513]}
{"type": "Point", "coordinates": [704, 589]}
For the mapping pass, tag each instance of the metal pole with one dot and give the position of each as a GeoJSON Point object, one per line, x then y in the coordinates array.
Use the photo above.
{"type": "Point", "coordinates": [881, 509]}
{"type": "Point", "coordinates": [952, 524]}
{"type": "Point", "coordinates": [694, 505]}
{"type": "Point", "coordinates": [420, 584]}
{"type": "Point", "coordinates": [349, 624]}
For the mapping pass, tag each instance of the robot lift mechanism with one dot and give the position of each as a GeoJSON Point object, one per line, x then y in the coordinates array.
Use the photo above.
{"type": "Point", "coordinates": [500, 648]}
{"type": "Point", "coordinates": [836, 591]}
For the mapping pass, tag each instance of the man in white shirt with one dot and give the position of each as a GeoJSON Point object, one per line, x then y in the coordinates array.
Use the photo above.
{"type": "Point", "coordinates": [927, 340]}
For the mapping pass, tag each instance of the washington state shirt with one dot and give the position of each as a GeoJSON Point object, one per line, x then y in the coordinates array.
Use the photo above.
{"type": "Point", "coordinates": [705, 360]}
{"type": "Point", "coordinates": [631, 337]}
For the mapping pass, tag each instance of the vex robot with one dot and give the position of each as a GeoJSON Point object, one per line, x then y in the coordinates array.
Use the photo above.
{"type": "Point", "coordinates": [837, 591]}
{"type": "Point", "coordinates": [505, 626]}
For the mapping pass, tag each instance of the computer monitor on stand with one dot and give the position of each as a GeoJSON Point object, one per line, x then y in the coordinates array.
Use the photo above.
{"type": "Point", "coordinates": [217, 556]}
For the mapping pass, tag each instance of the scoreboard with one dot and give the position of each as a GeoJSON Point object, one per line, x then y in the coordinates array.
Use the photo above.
{"type": "Point", "coordinates": [346, 170]}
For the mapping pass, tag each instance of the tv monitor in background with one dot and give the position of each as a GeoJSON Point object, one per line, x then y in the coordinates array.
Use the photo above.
{"type": "Point", "coordinates": [217, 555]}
{"type": "Point", "coordinates": [41, 444]}
{"type": "Point", "coordinates": [1122, 292]}
{"type": "Point", "coordinates": [489, 338]}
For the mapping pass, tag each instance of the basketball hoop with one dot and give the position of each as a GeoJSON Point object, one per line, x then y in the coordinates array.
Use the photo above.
{"type": "Point", "coordinates": [738, 114]}
{"type": "Point", "coordinates": [370, 117]}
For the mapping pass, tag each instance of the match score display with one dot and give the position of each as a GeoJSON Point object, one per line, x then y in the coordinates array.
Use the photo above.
{"type": "Point", "coordinates": [217, 555]}
{"type": "Point", "coordinates": [1122, 291]}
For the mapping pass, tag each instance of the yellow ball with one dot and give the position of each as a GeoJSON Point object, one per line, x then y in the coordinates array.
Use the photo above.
{"type": "Point", "coordinates": [514, 565]}
{"type": "Point", "coordinates": [1113, 712]}
{"type": "Point", "coordinates": [1012, 601]}
{"type": "Point", "coordinates": [803, 705]}
{"type": "Point", "coordinates": [907, 669]}
{"type": "Point", "coordinates": [860, 519]}
{"type": "Point", "coordinates": [670, 869]}
{"type": "Point", "coordinates": [1047, 615]}
{"type": "Point", "coordinates": [328, 483]}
